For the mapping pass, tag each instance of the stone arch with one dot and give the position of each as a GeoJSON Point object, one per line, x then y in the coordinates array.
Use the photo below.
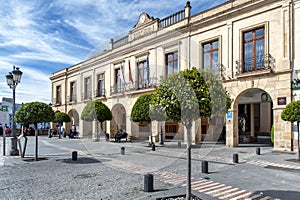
{"type": "Point", "coordinates": [252, 116]}
{"type": "Point", "coordinates": [73, 114]}
{"type": "Point", "coordinates": [119, 119]}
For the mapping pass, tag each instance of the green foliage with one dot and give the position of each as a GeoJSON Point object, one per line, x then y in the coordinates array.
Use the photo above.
{"type": "Point", "coordinates": [189, 94]}
{"type": "Point", "coordinates": [140, 110]}
{"type": "Point", "coordinates": [220, 99]}
{"type": "Point", "coordinates": [34, 112]}
{"type": "Point", "coordinates": [291, 112]}
{"type": "Point", "coordinates": [157, 112]}
{"type": "Point", "coordinates": [272, 134]}
{"type": "Point", "coordinates": [96, 110]}
{"type": "Point", "coordinates": [61, 117]}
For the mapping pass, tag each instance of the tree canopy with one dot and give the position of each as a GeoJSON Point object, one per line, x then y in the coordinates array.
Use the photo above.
{"type": "Point", "coordinates": [96, 110]}
{"type": "Point", "coordinates": [34, 112]}
{"type": "Point", "coordinates": [61, 117]}
{"type": "Point", "coordinates": [140, 110]}
{"type": "Point", "coordinates": [291, 112]}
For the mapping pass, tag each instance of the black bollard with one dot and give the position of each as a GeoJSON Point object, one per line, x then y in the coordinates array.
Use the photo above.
{"type": "Point", "coordinates": [179, 144]}
{"type": "Point", "coordinates": [74, 155]}
{"type": "Point", "coordinates": [148, 183]}
{"type": "Point", "coordinates": [122, 150]}
{"type": "Point", "coordinates": [258, 151]}
{"type": "Point", "coordinates": [153, 147]}
{"type": "Point", "coordinates": [235, 158]}
{"type": "Point", "coordinates": [204, 166]}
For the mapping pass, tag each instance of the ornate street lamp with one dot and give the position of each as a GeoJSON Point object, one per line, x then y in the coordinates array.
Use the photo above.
{"type": "Point", "coordinates": [13, 78]}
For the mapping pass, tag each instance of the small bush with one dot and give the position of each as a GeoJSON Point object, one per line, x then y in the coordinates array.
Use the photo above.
{"type": "Point", "coordinates": [272, 134]}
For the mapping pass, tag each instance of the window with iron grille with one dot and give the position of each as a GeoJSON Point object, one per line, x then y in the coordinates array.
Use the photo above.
{"type": "Point", "coordinates": [58, 94]}
{"type": "Point", "coordinates": [143, 74]}
{"type": "Point", "coordinates": [253, 49]}
{"type": "Point", "coordinates": [87, 88]}
{"type": "Point", "coordinates": [172, 62]}
{"type": "Point", "coordinates": [211, 56]}
{"type": "Point", "coordinates": [72, 91]}
{"type": "Point", "coordinates": [100, 87]}
{"type": "Point", "coordinates": [171, 127]}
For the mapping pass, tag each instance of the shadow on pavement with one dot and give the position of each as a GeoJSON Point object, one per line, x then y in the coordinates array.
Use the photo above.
{"type": "Point", "coordinates": [82, 160]}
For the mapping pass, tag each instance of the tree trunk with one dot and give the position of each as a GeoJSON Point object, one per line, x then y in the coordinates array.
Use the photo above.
{"type": "Point", "coordinates": [189, 163]}
{"type": "Point", "coordinates": [298, 141]}
{"type": "Point", "coordinates": [36, 141]}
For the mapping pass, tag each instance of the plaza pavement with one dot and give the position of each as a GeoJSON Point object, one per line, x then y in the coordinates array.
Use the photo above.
{"type": "Point", "coordinates": [102, 172]}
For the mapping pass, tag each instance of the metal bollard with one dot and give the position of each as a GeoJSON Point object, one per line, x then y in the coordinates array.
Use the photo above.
{"type": "Point", "coordinates": [258, 151]}
{"type": "Point", "coordinates": [153, 147]}
{"type": "Point", "coordinates": [74, 155]}
{"type": "Point", "coordinates": [204, 166]}
{"type": "Point", "coordinates": [179, 144]}
{"type": "Point", "coordinates": [235, 158]}
{"type": "Point", "coordinates": [148, 183]}
{"type": "Point", "coordinates": [122, 150]}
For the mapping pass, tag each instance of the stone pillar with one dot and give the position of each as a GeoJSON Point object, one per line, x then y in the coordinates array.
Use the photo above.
{"type": "Point", "coordinates": [252, 120]}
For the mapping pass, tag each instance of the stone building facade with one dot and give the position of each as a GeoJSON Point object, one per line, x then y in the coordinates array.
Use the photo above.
{"type": "Point", "coordinates": [252, 46]}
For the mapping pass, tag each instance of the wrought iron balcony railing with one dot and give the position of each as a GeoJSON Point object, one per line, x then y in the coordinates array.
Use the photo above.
{"type": "Point", "coordinates": [137, 85]}
{"type": "Point", "coordinates": [259, 63]}
{"type": "Point", "coordinates": [72, 99]}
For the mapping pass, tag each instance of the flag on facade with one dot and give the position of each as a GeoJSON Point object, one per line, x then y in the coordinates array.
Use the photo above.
{"type": "Point", "coordinates": [148, 70]}
{"type": "Point", "coordinates": [129, 72]}
{"type": "Point", "coordinates": [121, 76]}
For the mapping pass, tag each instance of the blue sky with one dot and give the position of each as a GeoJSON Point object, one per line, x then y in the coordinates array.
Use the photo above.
{"type": "Point", "coordinates": [41, 37]}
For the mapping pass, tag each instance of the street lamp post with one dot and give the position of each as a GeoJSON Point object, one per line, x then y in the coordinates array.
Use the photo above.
{"type": "Point", "coordinates": [13, 78]}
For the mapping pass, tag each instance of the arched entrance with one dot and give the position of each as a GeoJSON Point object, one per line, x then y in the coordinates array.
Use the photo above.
{"type": "Point", "coordinates": [254, 117]}
{"type": "Point", "coordinates": [119, 119]}
{"type": "Point", "coordinates": [73, 114]}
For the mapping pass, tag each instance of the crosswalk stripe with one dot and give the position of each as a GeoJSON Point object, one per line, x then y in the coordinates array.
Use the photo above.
{"type": "Point", "coordinates": [225, 192]}
{"type": "Point", "coordinates": [207, 186]}
{"type": "Point", "coordinates": [215, 192]}
{"type": "Point", "coordinates": [218, 185]}
{"type": "Point", "coordinates": [232, 194]}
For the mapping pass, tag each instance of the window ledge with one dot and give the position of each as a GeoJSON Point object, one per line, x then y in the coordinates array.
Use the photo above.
{"type": "Point", "coordinates": [254, 73]}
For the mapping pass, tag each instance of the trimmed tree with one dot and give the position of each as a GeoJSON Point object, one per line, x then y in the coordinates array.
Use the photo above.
{"type": "Point", "coordinates": [291, 113]}
{"type": "Point", "coordinates": [60, 118]}
{"type": "Point", "coordinates": [186, 96]}
{"type": "Point", "coordinates": [34, 113]}
{"type": "Point", "coordinates": [96, 110]}
{"type": "Point", "coordinates": [140, 110]}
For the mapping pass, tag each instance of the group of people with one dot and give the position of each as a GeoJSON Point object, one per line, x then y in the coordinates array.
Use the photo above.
{"type": "Point", "coordinates": [60, 131]}
{"type": "Point", "coordinates": [6, 128]}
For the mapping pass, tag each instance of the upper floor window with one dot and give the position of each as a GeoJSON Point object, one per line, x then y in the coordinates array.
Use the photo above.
{"type": "Point", "coordinates": [72, 91]}
{"type": "Point", "coordinates": [58, 94]}
{"type": "Point", "coordinates": [172, 62]}
{"type": "Point", "coordinates": [253, 49]}
{"type": "Point", "coordinates": [87, 88]}
{"type": "Point", "coordinates": [143, 75]}
{"type": "Point", "coordinates": [119, 79]}
{"type": "Point", "coordinates": [211, 56]}
{"type": "Point", "coordinates": [100, 86]}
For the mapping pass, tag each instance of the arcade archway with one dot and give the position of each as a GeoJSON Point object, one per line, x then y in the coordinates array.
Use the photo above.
{"type": "Point", "coordinates": [119, 119]}
{"type": "Point", "coordinates": [255, 117]}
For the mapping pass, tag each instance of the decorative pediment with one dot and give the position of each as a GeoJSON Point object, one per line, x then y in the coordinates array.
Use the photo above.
{"type": "Point", "coordinates": [144, 18]}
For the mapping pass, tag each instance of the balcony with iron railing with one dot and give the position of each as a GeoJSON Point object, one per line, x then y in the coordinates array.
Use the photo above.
{"type": "Point", "coordinates": [256, 65]}
{"type": "Point", "coordinates": [134, 86]}
{"type": "Point", "coordinates": [56, 102]}
{"type": "Point", "coordinates": [86, 96]}
{"type": "Point", "coordinates": [100, 93]}
{"type": "Point", "coordinates": [72, 99]}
